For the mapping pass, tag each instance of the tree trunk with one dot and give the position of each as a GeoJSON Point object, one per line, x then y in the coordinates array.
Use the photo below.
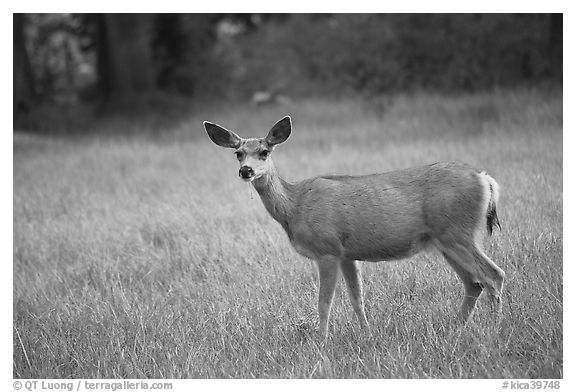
{"type": "Point", "coordinates": [555, 45]}
{"type": "Point", "coordinates": [23, 92]}
{"type": "Point", "coordinates": [125, 65]}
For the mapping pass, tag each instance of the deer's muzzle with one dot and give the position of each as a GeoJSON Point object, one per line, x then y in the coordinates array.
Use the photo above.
{"type": "Point", "coordinates": [246, 172]}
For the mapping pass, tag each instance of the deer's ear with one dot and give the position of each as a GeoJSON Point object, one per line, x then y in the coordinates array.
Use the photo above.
{"type": "Point", "coordinates": [279, 132]}
{"type": "Point", "coordinates": [221, 136]}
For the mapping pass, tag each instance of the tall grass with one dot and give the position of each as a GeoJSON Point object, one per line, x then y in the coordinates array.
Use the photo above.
{"type": "Point", "coordinates": [142, 258]}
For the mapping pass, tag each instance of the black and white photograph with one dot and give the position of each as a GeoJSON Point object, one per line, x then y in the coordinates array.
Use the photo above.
{"type": "Point", "coordinates": [287, 196]}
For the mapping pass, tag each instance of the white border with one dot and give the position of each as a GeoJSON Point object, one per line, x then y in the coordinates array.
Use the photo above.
{"type": "Point", "coordinates": [301, 6]}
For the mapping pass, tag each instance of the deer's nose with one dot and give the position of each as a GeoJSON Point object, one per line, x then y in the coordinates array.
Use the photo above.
{"type": "Point", "coordinates": [246, 172]}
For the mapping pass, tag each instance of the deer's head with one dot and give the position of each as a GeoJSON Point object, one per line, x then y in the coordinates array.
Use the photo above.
{"type": "Point", "coordinates": [253, 154]}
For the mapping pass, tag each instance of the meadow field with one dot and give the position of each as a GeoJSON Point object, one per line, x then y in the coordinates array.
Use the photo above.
{"type": "Point", "coordinates": [147, 257]}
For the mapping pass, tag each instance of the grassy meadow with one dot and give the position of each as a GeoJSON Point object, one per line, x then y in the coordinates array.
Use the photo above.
{"type": "Point", "coordinates": [147, 257]}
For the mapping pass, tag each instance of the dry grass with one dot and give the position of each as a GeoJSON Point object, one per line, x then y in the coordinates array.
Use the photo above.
{"type": "Point", "coordinates": [141, 258]}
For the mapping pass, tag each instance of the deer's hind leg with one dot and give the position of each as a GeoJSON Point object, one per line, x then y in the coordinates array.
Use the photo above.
{"type": "Point", "coordinates": [476, 271]}
{"type": "Point", "coordinates": [351, 273]}
{"type": "Point", "coordinates": [492, 278]}
{"type": "Point", "coordinates": [472, 289]}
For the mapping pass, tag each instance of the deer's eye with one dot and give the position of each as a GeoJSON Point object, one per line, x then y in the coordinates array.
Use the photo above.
{"type": "Point", "coordinates": [264, 154]}
{"type": "Point", "coordinates": [239, 154]}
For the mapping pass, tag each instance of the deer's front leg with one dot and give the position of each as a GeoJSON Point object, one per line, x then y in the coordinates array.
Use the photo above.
{"type": "Point", "coordinates": [351, 273]}
{"type": "Point", "coordinates": [328, 270]}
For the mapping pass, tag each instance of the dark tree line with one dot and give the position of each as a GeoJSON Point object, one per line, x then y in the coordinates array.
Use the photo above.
{"type": "Point", "coordinates": [454, 52]}
{"type": "Point", "coordinates": [130, 54]}
{"type": "Point", "coordinates": [120, 57]}
{"type": "Point", "coordinates": [124, 53]}
{"type": "Point", "coordinates": [23, 92]}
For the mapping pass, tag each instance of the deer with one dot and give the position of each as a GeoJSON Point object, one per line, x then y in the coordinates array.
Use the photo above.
{"type": "Point", "coordinates": [339, 220]}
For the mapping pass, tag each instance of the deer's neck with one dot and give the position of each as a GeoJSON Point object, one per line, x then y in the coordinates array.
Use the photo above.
{"type": "Point", "coordinates": [277, 196]}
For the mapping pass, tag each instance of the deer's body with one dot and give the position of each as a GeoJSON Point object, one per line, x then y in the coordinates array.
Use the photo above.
{"type": "Point", "coordinates": [337, 220]}
{"type": "Point", "coordinates": [375, 217]}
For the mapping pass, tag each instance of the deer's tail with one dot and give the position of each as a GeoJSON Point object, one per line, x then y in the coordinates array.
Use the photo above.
{"type": "Point", "coordinates": [491, 215]}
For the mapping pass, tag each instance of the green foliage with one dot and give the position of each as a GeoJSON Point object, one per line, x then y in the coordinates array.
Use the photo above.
{"type": "Point", "coordinates": [141, 258]}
